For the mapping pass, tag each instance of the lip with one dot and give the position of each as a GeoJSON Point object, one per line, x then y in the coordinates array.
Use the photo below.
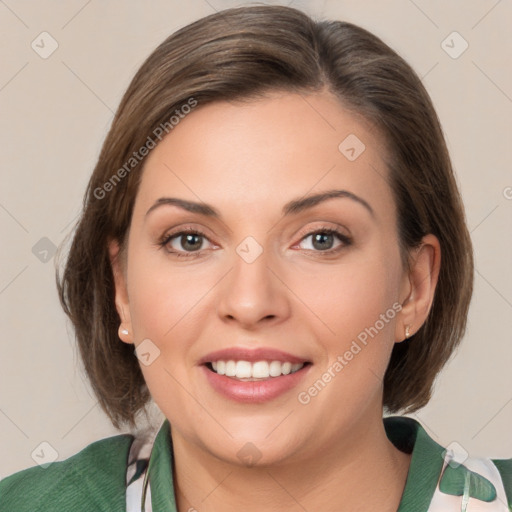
{"type": "Point", "coordinates": [254, 391]}
{"type": "Point", "coordinates": [252, 355]}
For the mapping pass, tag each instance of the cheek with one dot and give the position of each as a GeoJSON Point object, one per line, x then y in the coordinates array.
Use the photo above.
{"type": "Point", "coordinates": [349, 298]}
{"type": "Point", "coordinates": [164, 296]}
{"type": "Point", "coordinates": [358, 308]}
{"type": "Point", "coordinates": [167, 306]}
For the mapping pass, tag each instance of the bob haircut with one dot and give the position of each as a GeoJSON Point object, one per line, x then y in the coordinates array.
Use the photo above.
{"type": "Point", "coordinates": [241, 54]}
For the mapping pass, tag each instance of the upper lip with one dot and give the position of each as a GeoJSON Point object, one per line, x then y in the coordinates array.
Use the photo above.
{"type": "Point", "coordinates": [251, 354]}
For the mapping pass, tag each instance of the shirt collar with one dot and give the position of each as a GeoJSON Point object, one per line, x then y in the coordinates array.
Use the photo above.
{"type": "Point", "coordinates": [159, 472]}
{"type": "Point", "coordinates": [426, 462]}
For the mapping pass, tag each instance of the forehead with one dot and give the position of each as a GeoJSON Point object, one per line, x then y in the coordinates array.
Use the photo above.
{"type": "Point", "coordinates": [266, 150]}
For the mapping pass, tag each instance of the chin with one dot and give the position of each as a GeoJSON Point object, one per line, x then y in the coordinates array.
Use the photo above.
{"type": "Point", "coordinates": [253, 451]}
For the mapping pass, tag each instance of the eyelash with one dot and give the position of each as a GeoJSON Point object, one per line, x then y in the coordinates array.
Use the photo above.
{"type": "Point", "coordinates": [164, 241]}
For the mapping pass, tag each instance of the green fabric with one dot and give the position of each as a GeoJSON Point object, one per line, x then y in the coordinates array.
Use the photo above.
{"type": "Point", "coordinates": [426, 462]}
{"type": "Point", "coordinates": [505, 468]}
{"type": "Point", "coordinates": [454, 481]}
{"type": "Point", "coordinates": [92, 480]}
{"type": "Point", "coordinates": [160, 472]}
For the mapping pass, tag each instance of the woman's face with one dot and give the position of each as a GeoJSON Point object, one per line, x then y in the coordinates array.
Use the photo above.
{"type": "Point", "coordinates": [271, 278]}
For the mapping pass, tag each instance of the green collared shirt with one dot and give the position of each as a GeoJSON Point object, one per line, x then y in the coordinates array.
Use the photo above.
{"type": "Point", "coordinates": [111, 475]}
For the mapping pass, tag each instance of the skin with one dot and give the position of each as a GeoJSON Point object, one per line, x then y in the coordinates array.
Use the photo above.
{"type": "Point", "coordinates": [247, 160]}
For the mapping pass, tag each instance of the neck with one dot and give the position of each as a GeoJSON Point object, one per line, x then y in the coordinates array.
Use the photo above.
{"type": "Point", "coordinates": [363, 471]}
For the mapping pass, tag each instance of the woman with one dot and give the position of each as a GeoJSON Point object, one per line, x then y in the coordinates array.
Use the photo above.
{"type": "Point", "coordinates": [274, 230]}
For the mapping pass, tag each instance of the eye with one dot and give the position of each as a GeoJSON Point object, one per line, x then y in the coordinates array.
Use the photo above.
{"type": "Point", "coordinates": [323, 240]}
{"type": "Point", "coordinates": [184, 243]}
{"type": "Point", "coordinates": [190, 242]}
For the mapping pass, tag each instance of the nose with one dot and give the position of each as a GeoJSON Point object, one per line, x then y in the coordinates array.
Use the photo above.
{"type": "Point", "coordinates": [253, 293]}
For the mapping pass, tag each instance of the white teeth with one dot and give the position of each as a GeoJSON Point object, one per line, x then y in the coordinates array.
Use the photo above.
{"type": "Point", "coordinates": [275, 368]}
{"type": "Point", "coordinates": [230, 369]}
{"type": "Point", "coordinates": [258, 370]}
{"type": "Point", "coordinates": [243, 370]}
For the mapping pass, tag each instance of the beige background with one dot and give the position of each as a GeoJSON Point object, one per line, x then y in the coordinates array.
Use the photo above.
{"type": "Point", "coordinates": [56, 111]}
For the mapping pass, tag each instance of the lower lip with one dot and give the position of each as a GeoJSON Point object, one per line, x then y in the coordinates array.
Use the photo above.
{"type": "Point", "coordinates": [254, 391]}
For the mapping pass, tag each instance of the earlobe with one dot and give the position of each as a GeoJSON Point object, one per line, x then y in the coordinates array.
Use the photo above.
{"type": "Point", "coordinates": [121, 292]}
{"type": "Point", "coordinates": [421, 282]}
{"type": "Point", "coordinates": [124, 334]}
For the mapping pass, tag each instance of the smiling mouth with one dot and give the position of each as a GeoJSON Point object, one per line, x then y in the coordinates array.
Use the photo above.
{"type": "Point", "coordinates": [259, 370]}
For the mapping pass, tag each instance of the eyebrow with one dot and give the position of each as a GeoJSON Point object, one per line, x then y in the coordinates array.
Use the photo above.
{"type": "Point", "coordinates": [291, 208]}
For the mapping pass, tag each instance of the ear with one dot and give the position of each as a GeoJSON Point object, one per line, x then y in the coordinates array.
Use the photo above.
{"type": "Point", "coordinates": [418, 287]}
{"type": "Point", "coordinates": [118, 264]}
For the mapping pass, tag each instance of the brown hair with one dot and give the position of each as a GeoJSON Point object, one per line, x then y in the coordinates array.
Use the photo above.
{"type": "Point", "coordinates": [243, 53]}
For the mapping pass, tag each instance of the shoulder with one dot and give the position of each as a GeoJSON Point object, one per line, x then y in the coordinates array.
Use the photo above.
{"type": "Point", "coordinates": [93, 479]}
{"type": "Point", "coordinates": [442, 479]}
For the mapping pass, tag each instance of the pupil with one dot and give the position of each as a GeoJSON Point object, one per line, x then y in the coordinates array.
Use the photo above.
{"type": "Point", "coordinates": [321, 238]}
